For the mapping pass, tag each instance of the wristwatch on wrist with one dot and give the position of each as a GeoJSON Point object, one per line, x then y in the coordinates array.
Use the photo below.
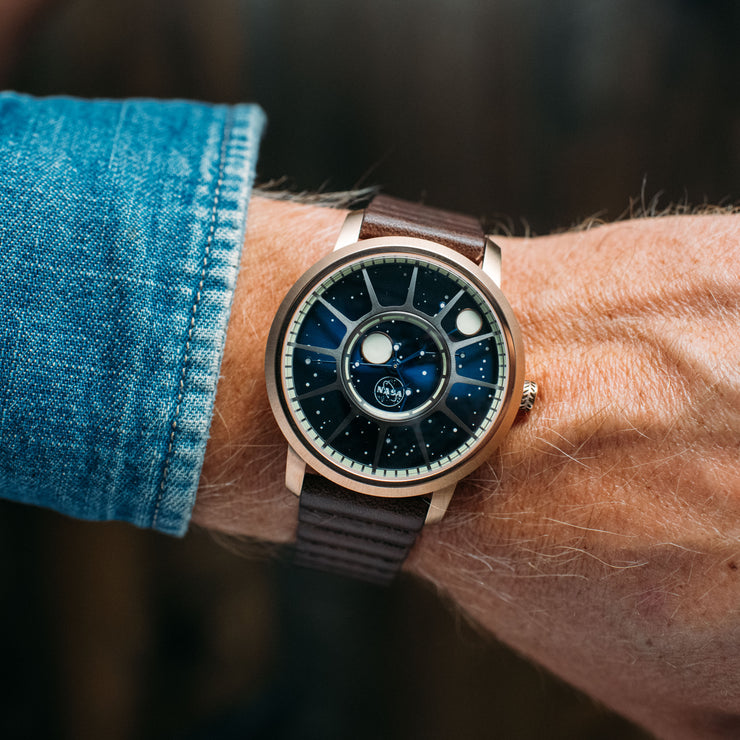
{"type": "Point", "coordinates": [394, 366]}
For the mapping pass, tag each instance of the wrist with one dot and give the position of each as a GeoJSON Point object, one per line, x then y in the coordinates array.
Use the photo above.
{"type": "Point", "coordinates": [601, 538]}
{"type": "Point", "coordinates": [242, 487]}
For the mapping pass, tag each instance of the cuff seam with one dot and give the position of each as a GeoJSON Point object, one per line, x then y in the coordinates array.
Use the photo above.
{"type": "Point", "coordinates": [228, 126]}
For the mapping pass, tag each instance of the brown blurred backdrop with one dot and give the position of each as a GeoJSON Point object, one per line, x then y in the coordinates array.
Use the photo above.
{"type": "Point", "coordinates": [532, 114]}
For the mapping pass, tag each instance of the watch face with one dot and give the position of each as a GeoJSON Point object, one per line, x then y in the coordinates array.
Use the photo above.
{"type": "Point", "coordinates": [393, 364]}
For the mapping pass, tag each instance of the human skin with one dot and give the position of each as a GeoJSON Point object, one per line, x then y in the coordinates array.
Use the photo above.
{"type": "Point", "coordinates": [602, 539]}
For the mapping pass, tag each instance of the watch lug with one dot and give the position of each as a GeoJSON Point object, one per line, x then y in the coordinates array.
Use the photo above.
{"type": "Point", "coordinates": [439, 503]}
{"type": "Point", "coordinates": [350, 233]}
{"type": "Point", "coordinates": [492, 261]}
{"type": "Point", "coordinates": [295, 469]}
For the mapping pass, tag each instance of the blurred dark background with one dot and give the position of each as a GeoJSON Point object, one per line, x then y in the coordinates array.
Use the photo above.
{"type": "Point", "coordinates": [532, 114]}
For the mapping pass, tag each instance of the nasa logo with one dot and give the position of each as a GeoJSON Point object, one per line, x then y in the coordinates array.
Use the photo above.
{"type": "Point", "coordinates": [389, 392]}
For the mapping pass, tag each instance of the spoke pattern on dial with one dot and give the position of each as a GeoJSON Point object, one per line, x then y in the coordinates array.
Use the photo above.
{"type": "Point", "coordinates": [335, 312]}
{"type": "Point", "coordinates": [447, 308]}
{"type": "Point", "coordinates": [472, 381]}
{"type": "Point", "coordinates": [351, 416]}
{"type": "Point", "coordinates": [412, 288]}
{"type": "Point", "coordinates": [318, 391]}
{"type": "Point", "coordinates": [421, 442]}
{"type": "Point", "coordinates": [453, 417]}
{"type": "Point", "coordinates": [382, 432]}
{"type": "Point", "coordinates": [462, 343]}
{"type": "Point", "coordinates": [371, 291]}
{"type": "Point", "coordinates": [351, 394]}
{"type": "Point", "coordinates": [333, 353]}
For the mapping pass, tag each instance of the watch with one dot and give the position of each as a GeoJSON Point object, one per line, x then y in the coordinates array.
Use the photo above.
{"type": "Point", "coordinates": [394, 367]}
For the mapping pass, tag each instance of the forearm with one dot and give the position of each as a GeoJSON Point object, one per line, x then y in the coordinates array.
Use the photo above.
{"type": "Point", "coordinates": [599, 539]}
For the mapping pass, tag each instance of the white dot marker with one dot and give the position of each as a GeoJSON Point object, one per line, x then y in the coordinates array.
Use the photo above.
{"type": "Point", "coordinates": [377, 348]}
{"type": "Point", "coordinates": [468, 322]}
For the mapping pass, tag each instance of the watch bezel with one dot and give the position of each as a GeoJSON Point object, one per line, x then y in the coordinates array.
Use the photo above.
{"type": "Point", "coordinates": [433, 480]}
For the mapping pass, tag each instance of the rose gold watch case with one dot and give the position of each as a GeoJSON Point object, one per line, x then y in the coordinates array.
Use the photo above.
{"type": "Point", "coordinates": [430, 482]}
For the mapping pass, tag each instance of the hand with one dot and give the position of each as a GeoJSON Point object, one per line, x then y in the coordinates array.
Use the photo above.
{"type": "Point", "coordinates": [603, 538]}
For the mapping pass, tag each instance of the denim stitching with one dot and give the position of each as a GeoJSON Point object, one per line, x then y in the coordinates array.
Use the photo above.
{"type": "Point", "coordinates": [181, 389]}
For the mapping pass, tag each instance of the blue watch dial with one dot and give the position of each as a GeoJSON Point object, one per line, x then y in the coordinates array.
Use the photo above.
{"type": "Point", "coordinates": [394, 366]}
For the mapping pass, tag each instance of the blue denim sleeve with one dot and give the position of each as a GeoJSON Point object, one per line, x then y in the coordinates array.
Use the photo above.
{"type": "Point", "coordinates": [121, 226]}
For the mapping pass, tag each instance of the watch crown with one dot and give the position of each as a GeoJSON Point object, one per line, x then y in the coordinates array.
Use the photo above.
{"type": "Point", "coordinates": [529, 393]}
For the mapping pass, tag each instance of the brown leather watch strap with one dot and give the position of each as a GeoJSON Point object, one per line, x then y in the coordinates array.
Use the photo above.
{"type": "Point", "coordinates": [345, 532]}
{"type": "Point", "coordinates": [387, 215]}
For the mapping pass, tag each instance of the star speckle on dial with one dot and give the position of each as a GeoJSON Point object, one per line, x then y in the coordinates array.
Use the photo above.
{"type": "Point", "coordinates": [395, 365]}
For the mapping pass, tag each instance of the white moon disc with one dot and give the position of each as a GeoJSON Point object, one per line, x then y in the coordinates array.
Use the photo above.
{"type": "Point", "coordinates": [469, 322]}
{"type": "Point", "coordinates": [377, 348]}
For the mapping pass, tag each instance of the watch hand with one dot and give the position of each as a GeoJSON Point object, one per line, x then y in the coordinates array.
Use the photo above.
{"type": "Point", "coordinates": [417, 354]}
{"type": "Point", "coordinates": [388, 364]}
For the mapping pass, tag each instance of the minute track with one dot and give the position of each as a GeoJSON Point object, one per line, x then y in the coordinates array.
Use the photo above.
{"type": "Point", "coordinates": [426, 398]}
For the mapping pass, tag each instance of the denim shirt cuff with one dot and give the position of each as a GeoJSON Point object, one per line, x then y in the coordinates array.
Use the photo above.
{"type": "Point", "coordinates": [121, 229]}
{"type": "Point", "coordinates": [222, 199]}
